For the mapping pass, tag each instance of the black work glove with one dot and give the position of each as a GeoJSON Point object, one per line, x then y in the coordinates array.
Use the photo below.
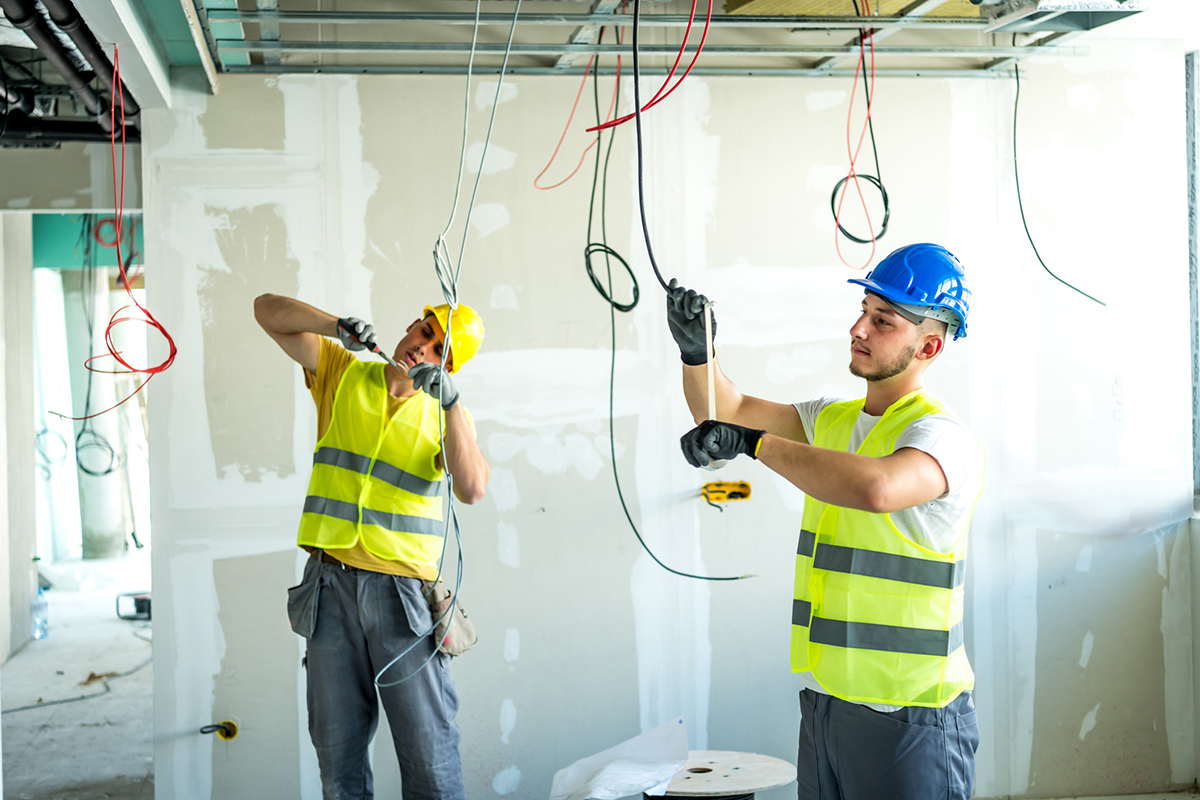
{"type": "Point", "coordinates": [356, 334]}
{"type": "Point", "coordinates": [720, 441]}
{"type": "Point", "coordinates": [685, 318]}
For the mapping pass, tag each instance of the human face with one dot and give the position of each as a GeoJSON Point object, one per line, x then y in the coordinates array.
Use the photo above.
{"type": "Point", "coordinates": [422, 343]}
{"type": "Point", "coordinates": [883, 344]}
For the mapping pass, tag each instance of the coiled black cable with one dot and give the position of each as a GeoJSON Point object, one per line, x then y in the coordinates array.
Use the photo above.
{"type": "Point", "coordinates": [88, 438]}
{"type": "Point", "coordinates": [601, 247]}
{"type": "Point", "coordinates": [877, 178]}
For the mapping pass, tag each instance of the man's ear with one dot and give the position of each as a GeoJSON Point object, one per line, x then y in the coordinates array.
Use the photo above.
{"type": "Point", "coordinates": [934, 343]}
{"type": "Point", "coordinates": [412, 325]}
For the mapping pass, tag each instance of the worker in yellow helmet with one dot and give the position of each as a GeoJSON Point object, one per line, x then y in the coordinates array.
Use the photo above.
{"type": "Point", "coordinates": [373, 525]}
{"type": "Point", "coordinates": [890, 482]}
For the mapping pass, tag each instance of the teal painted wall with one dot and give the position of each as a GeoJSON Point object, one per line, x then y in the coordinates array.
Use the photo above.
{"type": "Point", "coordinates": [57, 245]}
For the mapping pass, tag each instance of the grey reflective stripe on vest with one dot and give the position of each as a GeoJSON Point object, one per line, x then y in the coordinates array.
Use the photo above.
{"type": "Point", "coordinates": [384, 471]}
{"type": "Point", "coordinates": [397, 523]}
{"type": "Point", "coordinates": [801, 611]}
{"type": "Point", "coordinates": [890, 638]}
{"type": "Point", "coordinates": [888, 566]}
{"type": "Point", "coordinates": [808, 540]}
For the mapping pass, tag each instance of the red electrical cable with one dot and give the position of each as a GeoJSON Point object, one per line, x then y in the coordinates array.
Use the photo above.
{"type": "Point", "coordinates": [659, 96]}
{"type": "Point", "coordinates": [146, 317]}
{"type": "Point", "coordinates": [864, 40]}
{"type": "Point", "coordinates": [567, 127]}
{"type": "Point", "coordinates": [98, 234]}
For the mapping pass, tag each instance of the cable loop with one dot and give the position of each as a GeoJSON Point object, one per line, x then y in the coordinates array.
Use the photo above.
{"type": "Point", "coordinates": [887, 209]}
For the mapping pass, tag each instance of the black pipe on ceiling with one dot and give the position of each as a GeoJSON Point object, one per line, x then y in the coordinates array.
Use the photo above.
{"type": "Point", "coordinates": [24, 15]}
{"type": "Point", "coordinates": [15, 98]}
{"type": "Point", "coordinates": [67, 18]}
{"type": "Point", "coordinates": [24, 129]}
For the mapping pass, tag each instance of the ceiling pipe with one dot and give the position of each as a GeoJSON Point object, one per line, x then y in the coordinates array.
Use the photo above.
{"type": "Point", "coordinates": [21, 128]}
{"type": "Point", "coordinates": [16, 99]}
{"type": "Point", "coordinates": [24, 15]}
{"type": "Point", "coordinates": [67, 18]}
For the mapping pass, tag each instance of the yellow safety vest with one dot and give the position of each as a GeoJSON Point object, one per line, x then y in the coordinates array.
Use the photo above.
{"type": "Point", "coordinates": [375, 479]}
{"type": "Point", "coordinates": [876, 617]}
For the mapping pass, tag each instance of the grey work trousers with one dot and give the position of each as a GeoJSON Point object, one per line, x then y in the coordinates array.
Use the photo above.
{"type": "Point", "coordinates": [356, 621]}
{"type": "Point", "coordinates": [849, 752]}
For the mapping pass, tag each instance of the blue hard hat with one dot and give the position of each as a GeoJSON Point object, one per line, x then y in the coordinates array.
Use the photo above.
{"type": "Point", "coordinates": [925, 275]}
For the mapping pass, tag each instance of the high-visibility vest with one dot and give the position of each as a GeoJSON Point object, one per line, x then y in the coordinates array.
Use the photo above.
{"type": "Point", "coordinates": [376, 480]}
{"type": "Point", "coordinates": [876, 617]}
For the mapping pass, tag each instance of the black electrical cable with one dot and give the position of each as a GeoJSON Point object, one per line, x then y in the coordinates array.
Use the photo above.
{"type": "Point", "coordinates": [592, 247]}
{"type": "Point", "coordinates": [637, 118]}
{"type": "Point", "coordinates": [1017, 180]}
{"type": "Point", "coordinates": [612, 307]}
{"type": "Point", "coordinates": [877, 178]}
{"type": "Point", "coordinates": [88, 438]}
{"type": "Point", "coordinates": [887, 208]}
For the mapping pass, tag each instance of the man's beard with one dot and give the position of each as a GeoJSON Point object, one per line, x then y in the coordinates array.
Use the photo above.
{"type": "Point", "coordinates": [890, 370]}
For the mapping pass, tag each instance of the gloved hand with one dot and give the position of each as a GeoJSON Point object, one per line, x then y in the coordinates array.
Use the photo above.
{"type": "Point", "coordinates": [685, 318]}
{"type": "Point", "coordinates": [718, 440]}
{"type": "Point", "coordinates": [431, 378]}
{"type": "Point", "coordinates": [356, 334]}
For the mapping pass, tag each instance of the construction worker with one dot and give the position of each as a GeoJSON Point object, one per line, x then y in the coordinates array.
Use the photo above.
{"type": "Point", "coordinates": [890, 481]}
{"type": "Point", "coordinates": [373, 525]}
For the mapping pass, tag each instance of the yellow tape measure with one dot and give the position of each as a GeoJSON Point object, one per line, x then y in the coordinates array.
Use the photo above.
{"type": "Point", "coordinates": [725, 491]}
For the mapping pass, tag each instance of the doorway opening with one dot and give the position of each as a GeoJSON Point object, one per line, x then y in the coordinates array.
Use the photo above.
{"type": "Point", "coordinates": [79, 695]}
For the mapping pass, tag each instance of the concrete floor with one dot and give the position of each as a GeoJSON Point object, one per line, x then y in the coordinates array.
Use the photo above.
{"type": "Point", "coordinates": [93, 749]}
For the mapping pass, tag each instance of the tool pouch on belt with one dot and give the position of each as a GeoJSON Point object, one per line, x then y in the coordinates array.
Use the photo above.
{"type": "Point", "coordinates": [456, 632]}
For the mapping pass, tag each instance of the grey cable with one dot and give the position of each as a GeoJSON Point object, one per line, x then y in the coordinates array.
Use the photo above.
{"type": "Point", "coordinates": [107, 690]}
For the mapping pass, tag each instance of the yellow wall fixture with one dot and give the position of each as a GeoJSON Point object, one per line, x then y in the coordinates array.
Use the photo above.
{"type": "Point", "coordinates": [725, 491]}
{"type": "Point", "coordinates": [226, 730]}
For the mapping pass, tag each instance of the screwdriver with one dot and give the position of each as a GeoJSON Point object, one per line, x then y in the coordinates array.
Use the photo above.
{"type": "Point", "coordinates": [374, 348]}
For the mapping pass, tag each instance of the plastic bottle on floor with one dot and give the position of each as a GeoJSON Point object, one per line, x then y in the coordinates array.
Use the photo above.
{"type": "Point", "coordinates": [41, 617]}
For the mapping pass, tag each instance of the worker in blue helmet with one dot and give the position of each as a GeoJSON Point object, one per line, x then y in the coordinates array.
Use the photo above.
{"type": "Point", "coordinates": [890, 480]}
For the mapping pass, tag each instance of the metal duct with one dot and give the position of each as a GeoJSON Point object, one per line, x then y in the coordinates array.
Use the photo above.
{"type": "Point", "coordinates": [1029, 16]}
{"type": "Point", "coordinates": [64, 15]}
{"type": "Point", "coordinates": [24, 15]}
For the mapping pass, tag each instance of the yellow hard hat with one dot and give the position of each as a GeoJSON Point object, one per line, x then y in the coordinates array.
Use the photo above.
{"type": "Point", "coordinates": [466, 332]}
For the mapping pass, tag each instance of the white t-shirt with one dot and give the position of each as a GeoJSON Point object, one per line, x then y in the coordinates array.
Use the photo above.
{"type": "Point", "coordinates": [932, 525]}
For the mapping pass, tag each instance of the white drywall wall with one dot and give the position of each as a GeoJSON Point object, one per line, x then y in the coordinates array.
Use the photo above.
{"type": "Point", "coordinates": [17, 510]}
{"type": "Point", "coordinates": [334, 189]}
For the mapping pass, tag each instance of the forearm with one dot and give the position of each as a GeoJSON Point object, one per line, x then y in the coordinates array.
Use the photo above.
{"type": "Point", "coordinates": [463, 458]}
{"type": "Point", "coordinates": [286, 315]}
{"type": "Point", "coordinates": [841, 479]}
{"type": "Point", "coordinates": [695, 391]}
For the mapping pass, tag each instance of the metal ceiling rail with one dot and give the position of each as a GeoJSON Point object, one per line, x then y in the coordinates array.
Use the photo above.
{"type": "Point", "coordinates": [771, 72]}
{"type": "Point", "coordinates": [916, 10]}
{"type": "Point", "coordinates": [557, 48]}
{"type": "Point", "coordinates": [624, 20]}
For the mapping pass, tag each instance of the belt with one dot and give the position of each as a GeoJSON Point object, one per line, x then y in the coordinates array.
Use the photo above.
{"type": "Point", "coordinates": [318, 554]}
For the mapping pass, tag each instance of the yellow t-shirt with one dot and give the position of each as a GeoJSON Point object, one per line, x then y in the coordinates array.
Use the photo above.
{"type": "Point", "coordinates": [331, 366]}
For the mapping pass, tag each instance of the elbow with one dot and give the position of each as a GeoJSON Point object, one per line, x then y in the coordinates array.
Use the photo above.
{"type": "Point", "coordinates": [876, 496]}
{"type": "Point", "coordinates": [470, 495]}
{"type": "Point", "coordinates": [261, 307]}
